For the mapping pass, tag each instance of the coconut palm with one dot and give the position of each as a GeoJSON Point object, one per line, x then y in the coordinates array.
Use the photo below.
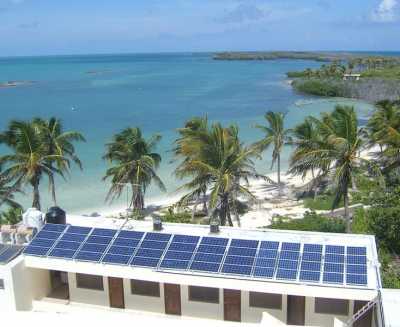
{"type": "Point", "coordinates": [339, 154]}
{"type": "Point", "coordinates": [224, 165]}
{"type": "Point", "coordinates": [29, 161]}
{"type": "Point", "coordinates": [134, 163]}
{"type": "Point", "coordinates": [276, 136]}
{"type": "Point", "coordinates": [59, 142]}
{"type": "Point", "coordinates": [7, 193]}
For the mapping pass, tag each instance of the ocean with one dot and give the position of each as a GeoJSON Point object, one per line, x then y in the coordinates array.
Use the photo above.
{"type": "Point", "coordinates": [99, 95]}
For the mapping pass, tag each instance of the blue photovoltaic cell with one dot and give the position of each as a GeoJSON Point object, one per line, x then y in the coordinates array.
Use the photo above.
{"type": "Point", "coordinates": [290, 247]}
{"type": "Point", "coordinates": [356, 260]}
{"type": "Point", "coordinates": [356, 279]}
{"type": "Point", "coordinates": [312, 248]}
{"type": "Point", "coordinates": [205, 266]}
{"type": "Point", "coordinates": [88, 256]}
{"type": "Point", "coordinates": [46, 243]}
{"type": "Point", "coordinates": [153, 245]}
{"type": "Point", "coordinates": [356, 269]}
{"type": "Point", "coordinates": [286, 274]}
{"type": "Point", "coordinates": [149, 253]}
{"type": "Point", "coordinates": [354, 250]}
{"type": "Point", "coordinates": [334, 258]}
{"type": "Point", "coordinates": [238, 260]}
{"type": "Point", "coordinates": [264, 272]}
{"type": "Point", "coordinates": [126, 242]}
{"type": "Point", "coordinates": [54, 228]}
{"type": "Point", "coordinates": [145, 261]}
{"type": "Point", "coordinates": [289, 255]}
{"type": "Point", "coordinates": [269, 245]}
{"type": "Point", "coordinates": [99, 239]}
{"type": "Point", "coordinates": [79, 230]}
{"type": "Point", "coordinates": [9, 253]}
{"type": "Point", "coordinates": [288, 264]}
{"type": "Point", "coordinates": [236, 269]}
{"type": "Point", "coordinates": [62, 253]}
{"type": "Point", "coordinates": [116, 259]}
{"type": "Point", "coordinates": [90, 247]}
{"type": "Point", "coordinates": [335, 249]}
{"type": "Point", "coordinates": [103, 232]}
{"type": "Point", "coordinates": [332, 278]}
{"type": "Point", "coordinates": [187, 247]}
{"type": "Point", "coordinates": [73, 237]}
{"type": "Point", "coordinates": [263, 262]}
{"type": "Point", "coordinates": [248, 252]}
{"type": "Point", "coordinates": [266, 253]}
{"type": "Point", "coordinates": [157, 237]}
{"type": "Point", "coordinates": [130, 234]}
{"type": "Point", "coordinates": [312, 256]}
{"type": "Point", "coordinates": [214, 241]}
{"type": "Point", "coordinates": [178, 255]}
{"type": "Point", "coordinates": [68, 245]}
{"type": "Point", "coordinates": [48, 235]}
{"type": "Point", "coordinates": [310, 276]}
{"type": "Point", "coordinates": [35, 250]}
{"type": "Point", "coordinates": [211, 249]}
{"type": "Point", "coordinates": [121, 250]}
{"type": "Point", "coordinates": [174, 264]}
{"type": "Point", "coordinates": [185, 239]}
{"type": "Point", "coordinates": [244, 243]}
{"type": "Point", "coordinates": [334, 267]}
{"type": "Point", "coordinates": [310, 266]}
{"type": "Point", "coordinates": [207, 257]}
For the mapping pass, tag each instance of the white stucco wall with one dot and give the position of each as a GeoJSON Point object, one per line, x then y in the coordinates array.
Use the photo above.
{"type": "Point", "coordinates": [88, 296]}
{"type": "Point", "coordinates": [7, 301]}
{"type": "Point", "coordinates": [142, 302]}
{"type": "Point", "coordinates": [318, 319]}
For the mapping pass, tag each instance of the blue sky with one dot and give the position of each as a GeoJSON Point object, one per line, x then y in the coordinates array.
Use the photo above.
{"type": "Point", "coordinates": [30, 27]}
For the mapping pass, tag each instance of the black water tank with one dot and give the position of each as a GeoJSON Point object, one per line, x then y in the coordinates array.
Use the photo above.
{"type": "Point", "coordinates": [56, 215]}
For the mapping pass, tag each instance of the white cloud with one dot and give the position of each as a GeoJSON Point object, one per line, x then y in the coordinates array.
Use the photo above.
{"type": "Point", "coordinates": [386, 11]}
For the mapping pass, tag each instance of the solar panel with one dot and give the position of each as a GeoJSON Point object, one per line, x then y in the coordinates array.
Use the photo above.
{"type": "Point", "coordinates": [73, 237]}
{"type": "Point", "coordinates": [36, 250]}
{"type": "Point", "coordinates": [264, 272]}
{"type": "Point", "coordinates": [286, 274]}
{"type": "Point", "coordinates": [157, 237]}
{"type": "Point", "coordinates": [177, 264]}
{"type": "Point", "coordinates": [116, 259]}
{"type": "Point", "coordinates": [207, 257]}
{"type": "Point", "coordinates": [153, 245]}
{"type": "Point", "coordinates": [236, 269]}
{"type": "Point", "coordinates": [315, 248]}
{"type": "Point", "coordinates": [79, 230]}
{"type": "Point", "coordinates": [54, 228]}
{"type": "Point", "coordinates": [9, 253]}
{"type": "Point", "coordinates": [289, 255]}
{"type": "Point", "coordinates": [264, 262]}
{"type": "Point", "coordinates": [205, 266]}
{"type": "Point", "coordinates": [332, 278]}
{"type": "Point", "coordinates": [178, 255]}
{"type": "Point", "coordinates": [239, 260]}
{"type": "Point", "coordinates": [269, 245]}
{"type": "Point", "coordinates": [126, 242]}
{"type": "Point", "coordinates": [130, 234]}
{"type": "Point", "coordinates": [354, 279]}
{"type": "Point", "coordinates": [334, 258]}
{"type": "Point", "coordinates": [187, 247]}
{"type": "Point", "coordinates": [333, 267]}
{"type": "Point", "coordinates": [215, 241]}
{"type": "Point", "coordinates": [266, 253]}
{"type": "Point", "coordinates": [335, 249]}
{"type": "Point", "coordinates": [99, 239]}
{"type": "Point", "coordinates": [249, 252]}
{"type": "Point", "coordinates": [356, 260]}
{"type": "Point", "coordinates": [357, 269]}
{"type": "Point", "coordinates": [310, 276]}
{"type": "Point", "coordinates": [312, 256]}
{"type": "Point", "coordinates": [145, 262]}
{"type": "Point", "coordinates": [211, 249]}
{"type": "Point", "coordinates": [103, 232]}
{"type": "Point", "coordinates": [41, 242]}
{"type": "Point", "coordinates": [290, 246]}
{"type": "Point", "coordinates": [89, 256]}
{"type": "Point", "coordinates": [353, 250]}
{"type": "Point", "coordinates": [310, 266]}
{"type": "Point", "coordinates": [48, 235]}
{"type": "Point", "coordinates": [62, 253]}
{"type": "Point", "coordinates": [186, 239]}
{"type": "Point", "coordinates": [244, 243]}
{"type": "Point", "coordinates": [121, 250]}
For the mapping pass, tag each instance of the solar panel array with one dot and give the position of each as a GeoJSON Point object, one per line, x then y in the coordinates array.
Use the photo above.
{"type": "Point", "coordinates": [257, 259]}
{"type": "Point", "coordinates": [9, 252]}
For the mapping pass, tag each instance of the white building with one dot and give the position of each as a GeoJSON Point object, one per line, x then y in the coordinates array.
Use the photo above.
{"type": "Point", "coordinates": [298, 278]}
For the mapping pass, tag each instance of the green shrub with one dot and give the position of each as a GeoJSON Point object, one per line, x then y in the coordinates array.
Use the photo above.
{"type": "Point", "coordinates": [320, 87]}
{"type": "Point", "coordinates": [311, 222]}
{"type": "Point", "coordinates": [180, 217]}
{"type": "Point", "coordinates": [322, 202]}
{"type": "Point", "coordinates": [11, 217]}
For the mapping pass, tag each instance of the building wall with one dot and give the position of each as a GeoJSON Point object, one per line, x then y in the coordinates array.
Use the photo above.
{"type": "Point", "coordinates": [7, 301]}
{"type": "Point", "coordinates": [318, 319]}
{"type": "Point", "coordinates": [251, 314]}
{"type": "Point", "coordinates": [141, 302]}
{"type": "Point", "coordinates": [87, 296]}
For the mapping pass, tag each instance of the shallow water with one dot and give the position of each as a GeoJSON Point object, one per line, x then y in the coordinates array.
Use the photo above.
{"type": "Point", "coordinates": [156, 92]}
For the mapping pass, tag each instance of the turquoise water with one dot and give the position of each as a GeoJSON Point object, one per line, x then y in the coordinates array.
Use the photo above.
{"type": "Point", "coordinates": [156, 92]}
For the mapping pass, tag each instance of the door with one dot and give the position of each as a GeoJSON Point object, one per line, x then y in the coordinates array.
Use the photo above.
{"type": "Point", "coordinates": [172, 297]}
{"type": "Point", "coordinates": [232, 305]}
{"type": "Point", "coordinates": [366, 319]}
{"type": "Point", "coordinates": [116, 291]}
{"type": "Point", "coordinates": [296, 306]}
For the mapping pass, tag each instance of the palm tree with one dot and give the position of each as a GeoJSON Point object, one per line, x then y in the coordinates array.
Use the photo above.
{"type": "Point", "coordinates": [7, 193]}
{"type": "Point", "coordinates": [223, 164]}
{"type": "Point", "coordinates": [276, 136]}
{"type": "Point", "coordinates": [339, 154]}
{"type": "Point", "coordinates": [29, 161]}
{"type": "Point", "coordinates": [59, 142]}
{"type": "Point", "coordinates": [134, 163]}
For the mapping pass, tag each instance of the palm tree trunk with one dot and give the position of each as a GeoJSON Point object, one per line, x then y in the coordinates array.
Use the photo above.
{"type": "Point", "coordinates": [228, 214]}
{"type": "Point", "coordinates": [346, 212]}
{"type": "Point", "coordinates": [53, 189]}
{"type": "Point", "coordinates": [279, 175]}
{"type": "Point", "coordinates": [205, 209]}
{"type": "Point", "coordinates": [36, 195]}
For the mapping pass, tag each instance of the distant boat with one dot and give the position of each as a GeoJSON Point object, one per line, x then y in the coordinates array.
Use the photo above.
{"type": "Point", "coordinates": [73, 109]}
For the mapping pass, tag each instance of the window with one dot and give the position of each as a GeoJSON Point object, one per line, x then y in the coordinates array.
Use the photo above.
{"type": "Point", "coordinates": [332, 306]}
{"type": "Point", "coordinates": [142, 287]}
{"type": "Point", "coordinates": [203, 294]}
{"type": "Point", "coordinates": [91, 282]}
{"type": "Point", "coordinates": [1, 284]}
{"type": "Point", "coordinates": [265, 300]}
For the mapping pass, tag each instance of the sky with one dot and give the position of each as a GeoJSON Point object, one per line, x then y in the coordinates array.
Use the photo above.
{"type": "Point", "coordinates": [43, 27]}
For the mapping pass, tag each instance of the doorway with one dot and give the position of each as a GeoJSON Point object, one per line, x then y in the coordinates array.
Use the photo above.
{"type": "Point", "coordinates": [172, 298]}
{"type": "Point", "coordinates": [232, 305]}
{"type": "Point", "coordinates": [296, 306]}
{"type": "Point", "coordinates": [116, 292]}
{"type": "Point", "coordinates": [59, 285]}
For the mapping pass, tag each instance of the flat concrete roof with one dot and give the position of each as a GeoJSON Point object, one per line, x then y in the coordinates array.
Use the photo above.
{"type": "Point", "coordinates": [218, 280]}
